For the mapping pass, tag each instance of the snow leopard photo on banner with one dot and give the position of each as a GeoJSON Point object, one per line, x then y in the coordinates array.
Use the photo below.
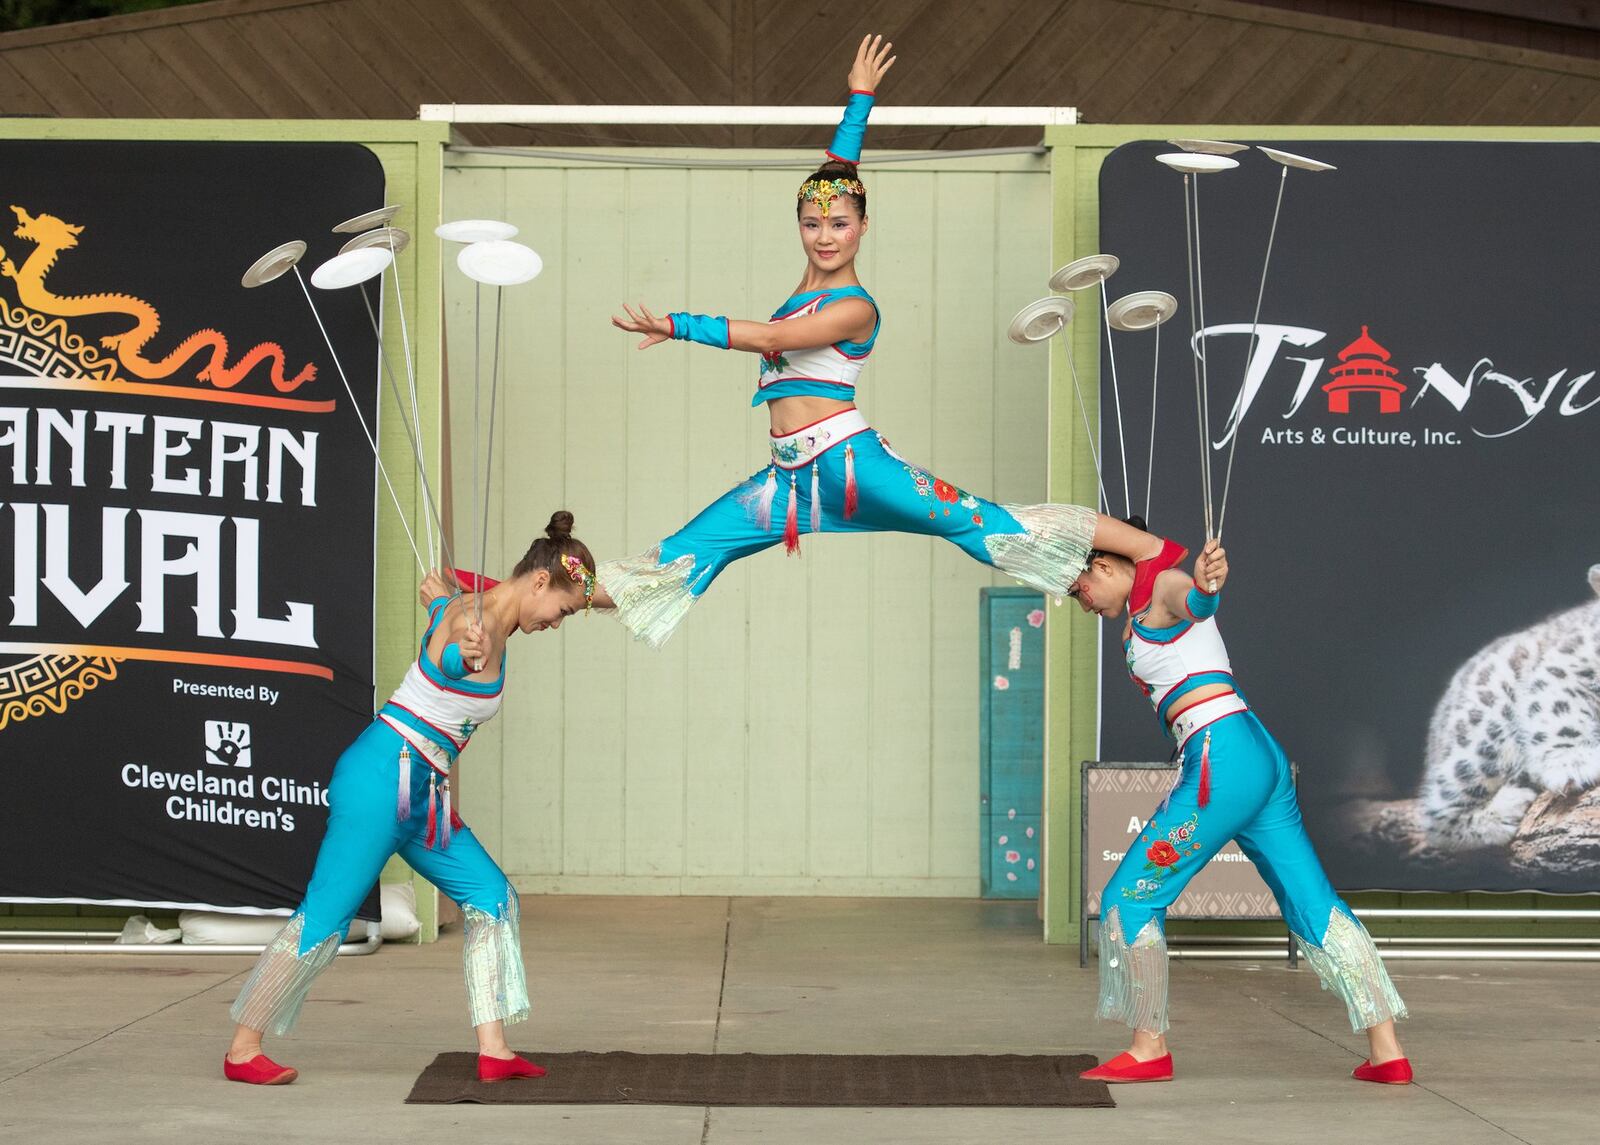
{"type": "Point", "coordinates": [1413, 492]}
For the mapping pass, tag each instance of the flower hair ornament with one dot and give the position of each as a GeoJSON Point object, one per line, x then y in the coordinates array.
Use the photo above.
{"type": "Point", "coordinates": [823, 192]}
{"type": "Point", "coordinates": [580, 575]}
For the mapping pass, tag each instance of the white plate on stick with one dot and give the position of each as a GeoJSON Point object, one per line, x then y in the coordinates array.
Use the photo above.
{"type": "Point", "coordinates": [379, 218]}
{"type": "Point", "coordinates": [384, 238]}
{"type": "Point", "coordinates": [1196, 163]}
{"type": "Point", "coordinates": [1040, 320]}
{"type": "Point", "coordinates": [276, 262]}
{"type": "Point", "coordinates": [1209, 146]}
{"type": "Point", "coordinates": [475, 231]}
{"type": "Point", "coordinates": [499, 263]}
{"type": "Point", "coordinates": [1290, 159]}
{"type": "Point", "coordinates": [1083, 273]}
{"type": "Point", "coordinates": [351, 268]}
{"type": "Point", "coordinates": [1141, 310]}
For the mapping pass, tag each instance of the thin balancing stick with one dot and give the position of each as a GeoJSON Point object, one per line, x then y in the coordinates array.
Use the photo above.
{"type": "Point", "coordinates": [1155, 379]}
{"type": "Point", "coordinates": [1255, 321]}
{"type": "Point", "coordinates": [1088, 430]}
{"type": "Point", "coordinates": [1116, 397]}
{"type": "Point", "coordinates": [356, 405]}
{"type": "Point", "coordinates": [488, 472]}
{"type": "Point", "coordinates": [414, 437]}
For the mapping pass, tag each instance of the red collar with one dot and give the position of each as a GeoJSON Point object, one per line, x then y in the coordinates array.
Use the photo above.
{"type": "Point", "coordinates": [1145, 573]}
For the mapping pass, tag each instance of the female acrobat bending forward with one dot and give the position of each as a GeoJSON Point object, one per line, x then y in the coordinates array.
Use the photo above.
{"type": "Point", "coordinates": [390, 794]}
{"type": "Point", "coordinates": [1235, 783]}
{"type": "Point", "coordinates": [831, 472]}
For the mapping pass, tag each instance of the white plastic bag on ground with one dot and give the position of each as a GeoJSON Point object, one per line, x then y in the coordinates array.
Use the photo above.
{"type": "Point", "coordinates": [399, 903]}
{"type": "Point", "coordinates": [140, 931]}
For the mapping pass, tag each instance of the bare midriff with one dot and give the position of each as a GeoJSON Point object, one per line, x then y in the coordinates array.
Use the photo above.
{"type": "Point", "coordinates": [1199, 696]}
{"type": "Point", "coordinates": [790, 414]}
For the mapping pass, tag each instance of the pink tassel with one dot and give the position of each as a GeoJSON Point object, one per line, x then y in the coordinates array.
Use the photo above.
{"type": "Point", "coordinates": [851, 500]}
{"type": "Point", "coordinates": [1205, 771]}
{"type": "Point", "coordinates": [791, 520]}
{"type": "Point", "coordinates": [433, 812]}
{"type": "Point", "coordinates": [402, 807]}
{"type": "Point", "coordinates": [769, 491]}
{"type": "Point", "coordinates": [816, 500]}
{"type": "Point", "coordinates": [447, 821]}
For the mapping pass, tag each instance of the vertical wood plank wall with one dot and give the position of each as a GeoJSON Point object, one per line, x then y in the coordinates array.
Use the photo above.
{"type": "Point", "coordinates": [813, 726]}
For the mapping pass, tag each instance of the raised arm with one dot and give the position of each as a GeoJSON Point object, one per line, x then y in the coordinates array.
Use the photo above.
{"type": "Point", "coordinates": [866, 72]}
{"type": "Point", "coordinates": [1195, 598]}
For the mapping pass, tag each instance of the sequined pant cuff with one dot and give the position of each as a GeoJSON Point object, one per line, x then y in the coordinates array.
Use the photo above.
{"type": "Point", "coordinates": [491, 958]}
{"type": "Point", "coordinates": [1051, 552]}
{"type": "Point", "coordinates": [651, 597]}
{"type": "Point", "coordinates": [1133, 976]}
{"type": "Point", "coordinates": [277, 987]}
{"type": "Point", "coordinates": [1347, 961]}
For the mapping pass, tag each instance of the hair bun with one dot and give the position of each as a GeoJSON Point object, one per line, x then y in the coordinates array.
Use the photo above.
{"type": "Point", "coordinates": [1136, 521]}
{"type": "Point", "coordinates": [560, 526]}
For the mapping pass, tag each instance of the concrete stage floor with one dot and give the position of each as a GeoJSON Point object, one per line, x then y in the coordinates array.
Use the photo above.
{"type": "Point", "coordinates": [127, 1049]}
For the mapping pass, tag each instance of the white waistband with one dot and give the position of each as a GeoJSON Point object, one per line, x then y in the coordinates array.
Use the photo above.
{"type": "Point", "coordinates": [804, 446]}
{"type": "Point", "coordinates": [1204, 714]}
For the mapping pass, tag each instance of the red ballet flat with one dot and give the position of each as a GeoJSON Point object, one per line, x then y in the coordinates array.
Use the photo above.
{"type": "Point", "coordinates": [1127, 1068]}
{"type": "Point", "coordinates": [259, 1070]}
{"type": "Point", "coordinates": [1396, 1072]}
{"type": "Point", "coordinates": [504, 1069]}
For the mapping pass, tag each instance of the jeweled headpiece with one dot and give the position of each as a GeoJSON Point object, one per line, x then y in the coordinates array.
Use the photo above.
{"type": "Point", "coordinates": [824, 191]}
{"type": "Point", "coordinates": [580, 575]}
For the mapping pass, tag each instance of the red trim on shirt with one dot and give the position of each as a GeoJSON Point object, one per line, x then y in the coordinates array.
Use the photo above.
{"type": "Point", "coordinates": [459, 743]}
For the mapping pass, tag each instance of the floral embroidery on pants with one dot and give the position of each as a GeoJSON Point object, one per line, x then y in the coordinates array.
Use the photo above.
{"type": "Point", "coordinates": [1162, 855]}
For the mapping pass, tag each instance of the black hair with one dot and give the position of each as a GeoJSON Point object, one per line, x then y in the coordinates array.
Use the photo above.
{"type": "Point", "coordinates": [549, 550]}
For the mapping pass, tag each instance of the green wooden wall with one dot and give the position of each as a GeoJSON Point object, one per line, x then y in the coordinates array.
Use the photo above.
{"type": "Point", "coordinates": [1077, 153]}
{"type": "Point", "coordinates": [813, 726]}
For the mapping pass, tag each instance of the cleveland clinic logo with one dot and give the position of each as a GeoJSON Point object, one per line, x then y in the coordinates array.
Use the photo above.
{"type": "Point", "coordinates": [1482, 400]}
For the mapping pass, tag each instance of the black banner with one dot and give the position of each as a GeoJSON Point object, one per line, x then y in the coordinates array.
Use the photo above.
{"type": "Point", "coordinates": [1415, 490]}
{"type": "Point", "coordinates": [186, 520]}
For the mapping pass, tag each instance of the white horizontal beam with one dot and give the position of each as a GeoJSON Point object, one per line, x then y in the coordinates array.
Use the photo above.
{"type": "Point", "coordinates": [742, 115]}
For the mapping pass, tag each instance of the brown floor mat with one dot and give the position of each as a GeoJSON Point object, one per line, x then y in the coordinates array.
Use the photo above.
{"type": "Point", "coordinates": [773, 1079]}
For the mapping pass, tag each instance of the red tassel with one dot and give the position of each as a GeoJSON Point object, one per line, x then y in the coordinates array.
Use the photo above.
{"type": "Point", "coordinates": [1205, 771]}
{"type": "Point", "coordinates": [456, 821]}
{"type": "Point", "coordinates": [851, 501]}
{"type": "Point", "coordinates": [433, 813]}
{"type": "Point", "coordinates": [791, 521]}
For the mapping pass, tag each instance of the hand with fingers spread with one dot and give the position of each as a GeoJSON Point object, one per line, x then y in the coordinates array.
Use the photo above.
{"type": "Point", "coordinates": [654, 329]}
{"type": "Point", "coordinates": [871, 62]}
{"type": "Point", "coordinates": [1211, 566]}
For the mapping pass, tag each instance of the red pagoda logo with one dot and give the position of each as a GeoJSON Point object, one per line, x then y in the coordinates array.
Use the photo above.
{"type": "Point", "coordinates": [1364, 368]}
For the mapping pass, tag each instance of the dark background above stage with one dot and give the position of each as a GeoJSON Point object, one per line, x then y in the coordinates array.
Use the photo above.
{"type": "Point", "coordinates": [1117, 61]}
{"type": "Point", "coordinates": [1364, 575]}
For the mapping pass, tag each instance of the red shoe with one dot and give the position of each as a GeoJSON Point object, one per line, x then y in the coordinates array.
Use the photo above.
{"type": "Point", "coordinates": [1127, 1068]}
{"type": "Point", "coordinates": [259, 1070]}
{"type": "Point", "coordinates": [504, 1069]}
{"type": "Point", "coordinates": [1396, 1072]}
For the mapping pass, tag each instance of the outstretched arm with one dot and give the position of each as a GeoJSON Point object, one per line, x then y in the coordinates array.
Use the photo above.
{"type": "Point", "coordinates": [848, 320]}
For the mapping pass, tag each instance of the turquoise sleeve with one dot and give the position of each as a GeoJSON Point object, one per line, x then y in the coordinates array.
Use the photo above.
{"type": "Point", "coordinates": [852, 130]}
{"type": "Point", "coordinates": [702, 328]}
{"type": "Point", "coordinates": [452, 663]}
{"type": "Point", "coordinates": [1202, 604]}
